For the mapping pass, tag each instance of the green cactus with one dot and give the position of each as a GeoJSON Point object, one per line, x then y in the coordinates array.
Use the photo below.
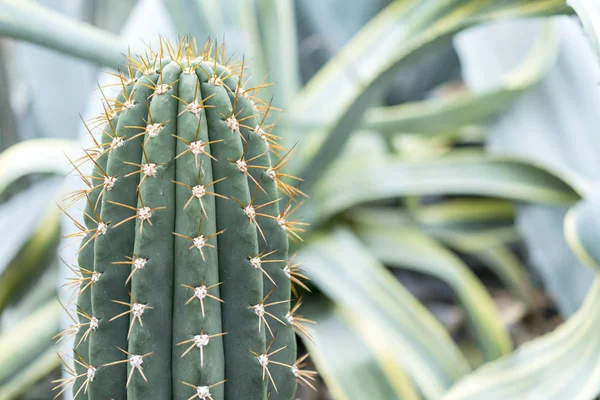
{"type": "Point", "coordinates": [184, 280]}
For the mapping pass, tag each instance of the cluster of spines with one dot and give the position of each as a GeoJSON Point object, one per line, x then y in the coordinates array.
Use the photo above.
{"type": "Point", "coordinates": [153, 79]}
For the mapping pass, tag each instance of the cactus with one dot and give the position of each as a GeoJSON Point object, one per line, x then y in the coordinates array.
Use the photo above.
{"type": "Point", "coordinates": [183, 277]}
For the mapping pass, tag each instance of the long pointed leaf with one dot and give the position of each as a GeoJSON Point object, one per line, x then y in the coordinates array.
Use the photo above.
{"type": "Point", "coordinates": [351, 358]}
{"type": "Point", "coordinates": [560, 365]}
{"type": "Point", "coordinates": [407, 247]}
{"type": "Point", "coordinates": [349, 275]}
{"type": "Point", "coordinates": [417, 28]}
{"type": "Point", "coordinates": [358, 180]}
{"type": "Point", "coordinates": [25, 20]}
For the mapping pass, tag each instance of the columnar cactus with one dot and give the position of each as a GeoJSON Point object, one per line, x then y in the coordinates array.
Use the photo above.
{"type": "Point", "coordinates": [184, 278]}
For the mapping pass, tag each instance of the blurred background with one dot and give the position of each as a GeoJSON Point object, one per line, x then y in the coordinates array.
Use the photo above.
{"type": "Point", "coordinates": [450, 151]}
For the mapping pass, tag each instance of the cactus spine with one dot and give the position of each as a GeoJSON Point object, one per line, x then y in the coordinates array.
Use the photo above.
{"type": "Point", "coordinates": [184, 281]}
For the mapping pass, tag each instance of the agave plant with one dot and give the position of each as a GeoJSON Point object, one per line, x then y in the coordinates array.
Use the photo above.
{"type": "Point", "coordinates": [383, 182]}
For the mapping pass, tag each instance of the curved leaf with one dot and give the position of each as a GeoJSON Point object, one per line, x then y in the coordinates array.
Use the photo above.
{"type": "Point", "coordinates": [559, 117]}
{"type": "Point", "coordinates": [25, 20]}
{"type": "Point", "coordinates": [278, 24]}
{"type": "Point", "coordinates": [394, 39]}
{"type": "Point", "coordinates": [407, 247]}
{"type": "Point", "coordinates": [39, 368]}
{"type": "Point", "coordinates": [448, 114]}
{"type": "Point", "coordinates": [500, 261]}
{"type": "Point", "coordinates": [42, 156]}
{"type": "Point", "coordinates": [582, 230]}
{"type": "Point", "coordinates": [348, 358]}
{"type": "Point", "coordinates": [464, 211]}
{"type": "Point", "coordinates": [588, 12]}
{"type": "Point", "coordinates": [560, 365]}
{"type": "Point", "coordinates": [487, 244]}
{"type": "Point", "coordinates": [349, 275]}
{"type": "Point", "coordinates": [358, 180]}
{"type": "Point", "coordinates": [28, 339]}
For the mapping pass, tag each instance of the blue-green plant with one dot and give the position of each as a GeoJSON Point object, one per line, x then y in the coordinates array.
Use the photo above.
{"type": "Point", "coordinates": [183, 276]}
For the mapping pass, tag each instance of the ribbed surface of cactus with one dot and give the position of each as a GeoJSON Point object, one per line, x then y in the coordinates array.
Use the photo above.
{"type": "Point", "coordinates": [184, 274]}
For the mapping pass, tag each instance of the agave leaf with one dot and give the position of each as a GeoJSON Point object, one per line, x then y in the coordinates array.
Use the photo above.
{"type": "Point", "coordinates": [500, 261]}
{"type": "Point", "coordinates": [588, 12]}
{"type": "Point", "coordinates": [31, 373]}
{"type": "Point", "coordinates": [186, 16]}
{"type": "Point", "coordinates": [44, 156]}
{"type": "Point", "coordinates": [25, 20]}
{"type": "Point", "coordinates": [582, 230]}
{"type": "Point", "coordinates": [28, 339]}
{"type": "Point", "coordinates": [485, 243]}
{"type": "Point", "coordinates": [352, 357]}
{"type": "Point", "coordinates": [30, 227]}
{"type": "Point", "coordinates": [350, 82]}
{"type": "Point", "coordinates": [463, 211]}
{"type": "Point", "coordinates": [350, 276]}
{"type": "Point", "coordinates": [324, 27]}
{"type": "Point", "coordinates": [447, 115]}
{"type": "Point", "coordinates": [358, 180]}
{"type": "Point", "coordinates": [278, 23]}
{"type": "Point", "coordinates": [559, 365]}
{"type": "Point", "coordinates": [404, 246]}
{"type": "Point", "coordinates": [559, 117]}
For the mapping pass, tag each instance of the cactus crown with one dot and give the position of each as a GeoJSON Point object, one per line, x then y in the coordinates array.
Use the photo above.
{"type": "Point", "coordinates": [183, 276]}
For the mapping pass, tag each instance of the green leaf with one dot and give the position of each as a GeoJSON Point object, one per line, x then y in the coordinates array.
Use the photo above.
{"type": "Point", "coordinates": [500, 261]}
{"type": "Point", "coordinates": [364, 67]}
{"type": "Point", "coordinates": [488, 244]}
{"type": "Point", "coordinates": [464, 211]}
{"type": "Point", "coordinates": [354, 181]}
{"type": "Point", "coordinates": [405, 246]}
{"type": "Point", "coordinates": [446, 115]}
{"type": "Point", "coordinates": [350, 276]}
{"type": "Point", "coordinates": [31, 248]}
{"type": "Point", "coordinates": [278, 24]}
{"type": "Point", "coordinates": [559, 117]}
{"type": "Point", "coordinates": [25, 20]}
{"type": "Point", "coordinates": [27, 340]}
{"type": "Point", "coordinates": [582, 230]}
{"type": "Point", "coordinates": [351, 356]}
{"type": "Point", "coordinates": [38, 369]}
{"type": "Point", "coordinates": [44, 156]}
{"type": "Point", "coordinates": [588, 12]}
{"type": "Point", "coordinates": [560, 365]}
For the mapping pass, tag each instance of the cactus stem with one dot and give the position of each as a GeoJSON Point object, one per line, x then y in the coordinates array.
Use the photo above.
{"type": "Point", "coordinates": [135, 361]}
{"type": "Point", "coordinates": [195, 106]}
{"type": "Point", "coordinates": [260, 311]}
{"type": "Point", "coordinates": [135, 308]}
{"type": "Point", "coordinates": [264, 361]}
{"type": "Point", "coordinates": [274, 173]}
{"type": "Point", "coordinates": [292, 228]}
{"type": "Point", "coordinates": [138, 264]}
{"type": "Point", "coordinates": [144, 213]}
{"type": "Point", "coordinates": [296, 274]}
{"type": "Point", "coordinates": [99, 230]}
{"type": "Point", "coordinates": [200, 241]}
{"type": "Point", "coordinates": [250, 210]}
{"type": "Point", "coordinates": [200, 293]}
{"type": "Point", "coordinates": [64, 383]}
{"type": "Point", "coordinates": [199, 341]}
{"type": "Point", "coordinates": [199, 190]}
{"type": "Point", "coordinates": [257, 262]}
{"type": "Point", "coordinates": [146, 170]}
{"type": "Point", "coordinates": [197, 146]}
{"type": "Point", "coordinates": [305, 377]}
{"type": "Point", "coordinates": [297, 321]}
{"type": "Point", "coordinates": [242, 166]}
{"type": "Point", "coordinates": [202, 392]}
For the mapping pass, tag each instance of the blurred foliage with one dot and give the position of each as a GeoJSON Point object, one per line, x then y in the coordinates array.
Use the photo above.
{"type": "Point", "coordinates": [441, 160]}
